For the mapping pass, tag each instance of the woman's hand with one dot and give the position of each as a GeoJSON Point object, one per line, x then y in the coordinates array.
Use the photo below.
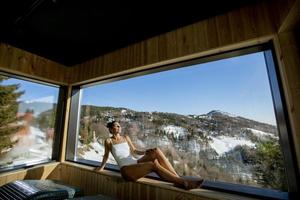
{"type": "Point", "coordinates": [98, 169]}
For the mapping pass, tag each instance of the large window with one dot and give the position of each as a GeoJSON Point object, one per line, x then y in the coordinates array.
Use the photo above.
{"type": "Point", "coordinates": [27, 122]}
{"type": "Point", "coordinates": [213, 118]}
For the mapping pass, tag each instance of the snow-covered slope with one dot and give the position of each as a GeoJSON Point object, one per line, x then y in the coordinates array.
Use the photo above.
{"type": "Point", "coordinates": [224, 144]}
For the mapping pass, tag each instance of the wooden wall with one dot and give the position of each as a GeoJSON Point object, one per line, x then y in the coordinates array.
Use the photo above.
{"type": "Point", "coordinates": [290, 60]}
{"type": "Point", "coordinates": [242, 27]}
{"type": "Point", "coordinates": [111, 184]}
{"type": "Point", "coordinates": [288, 43]}
{"type": "Point", "coordinates": [20, 62]}
{"type": "Point", "coordinates": [37, 172]}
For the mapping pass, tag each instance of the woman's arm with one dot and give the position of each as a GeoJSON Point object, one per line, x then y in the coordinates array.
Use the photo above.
{"type": "Point", "coordinates": [132, 147]}
{"type": "Point", "coordinates": [105, 156]}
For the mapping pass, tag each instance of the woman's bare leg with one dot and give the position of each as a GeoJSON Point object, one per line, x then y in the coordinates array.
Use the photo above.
{"type": "Point", "coordinates": [134, 172]}
{"type": "Point", "coordinates": [139, 170]}
{"type": "Point", "coordinates": [167, 175]}
{"type": "Point", "coordinates": [156, 153]}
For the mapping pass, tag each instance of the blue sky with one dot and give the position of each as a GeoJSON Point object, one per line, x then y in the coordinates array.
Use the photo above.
{"type": "Point", "coordinates": [34, 91]}
{"type": "Point", "coordinates": [236, 85]}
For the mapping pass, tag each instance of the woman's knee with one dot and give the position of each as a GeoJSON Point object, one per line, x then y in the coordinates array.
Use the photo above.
{"type": "Point", "coordinates": [156, 165]}
{"type": "Point", "coordinates": [127, 175]}
{"type": "Point", "coordinates": [157, 152]}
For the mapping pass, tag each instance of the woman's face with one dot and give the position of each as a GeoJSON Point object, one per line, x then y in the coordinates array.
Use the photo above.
{"type": "Point", "coordinates": [116, 128]}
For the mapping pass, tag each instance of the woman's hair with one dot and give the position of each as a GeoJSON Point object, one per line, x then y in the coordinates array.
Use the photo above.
{"type": "Point", "coordinates": [110, 125]}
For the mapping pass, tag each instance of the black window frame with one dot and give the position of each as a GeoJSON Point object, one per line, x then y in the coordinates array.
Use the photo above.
{"type": "Point", "coordinates": [280, 108]}
{"type": "Point", "coordinates": [59, 120]}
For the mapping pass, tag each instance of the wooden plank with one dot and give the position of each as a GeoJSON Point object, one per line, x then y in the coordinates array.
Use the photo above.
{"type": "Point", "coordinates": [111, 184]}
{"type": "Point", "coordinates": [56, 173]}
{"type": "Point", "coordinates": [240, 25]}
{"type": "Point", "coordinates": [223, 31]}
{"type": "Point", "coordinates": [17, 61]}
{"type": "Point", "coordinates": [292, 20]}
{"type": "Point", "coordinates": [288, 52]}
{"type": "Point", "coordinates": [62, 153]}
{"type": "Point", "coordinates": [37, 172]}
{"type": "Point", "coordinates": [3, 180]}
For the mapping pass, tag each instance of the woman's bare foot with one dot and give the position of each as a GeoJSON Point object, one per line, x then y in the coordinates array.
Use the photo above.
{"type": "Point", "coordinates": [192, 184]}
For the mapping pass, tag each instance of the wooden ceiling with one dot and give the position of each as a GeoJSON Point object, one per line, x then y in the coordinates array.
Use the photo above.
{"type": "Point", "coordinates": [73, 31]}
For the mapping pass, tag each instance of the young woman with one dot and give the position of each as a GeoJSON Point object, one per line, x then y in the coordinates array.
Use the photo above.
{"type": "Point", "coordinates": [153, 160]}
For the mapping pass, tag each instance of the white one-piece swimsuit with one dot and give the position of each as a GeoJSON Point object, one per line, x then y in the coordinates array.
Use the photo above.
{"type": "Point", "coordinates": [122, 155]}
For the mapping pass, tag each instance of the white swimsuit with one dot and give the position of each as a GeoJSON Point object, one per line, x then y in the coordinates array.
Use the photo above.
{"type": "Point", "coordinates": [122, 155]}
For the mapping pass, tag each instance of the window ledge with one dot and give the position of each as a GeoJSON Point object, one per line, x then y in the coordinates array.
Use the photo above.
{"type": "Point", "coordinates": [201, 193]}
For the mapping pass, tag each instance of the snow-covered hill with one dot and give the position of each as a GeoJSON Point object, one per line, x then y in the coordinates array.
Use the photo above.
{"type": "Point", "coordinates": [215, 145]}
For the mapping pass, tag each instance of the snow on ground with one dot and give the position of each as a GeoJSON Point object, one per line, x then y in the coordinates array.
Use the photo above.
{"type": "Point", "coordinates": [140, 144]}
{"type": "Point", "coordinates": [224, 144]}
{"type": "Point", "coordinates": [30, 148]}
{"type": "Point", "coordinates": [228, 114]}
{"type": "Point", "coordinates": [261, 133]}
{"type": "Point", "coordinates": [96, 153]}
{"type": "Point", "coordinates": [175, 130]}
{"type": "Point", "coordinates": [37, 132]}
{"type": "Point", "coordinates": [194, 146]}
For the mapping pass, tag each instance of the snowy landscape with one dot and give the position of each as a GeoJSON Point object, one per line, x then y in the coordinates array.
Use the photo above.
{"type": "Point", "coordinates": [33, 143]}
{"type": "Point", "coordinates": [217, 145]}
{"type": "Point", "coordinates": [30, 148]}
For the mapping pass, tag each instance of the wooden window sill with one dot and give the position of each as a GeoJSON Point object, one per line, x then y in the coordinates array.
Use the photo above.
{"type": "Point", "coordinates": [201, 193]}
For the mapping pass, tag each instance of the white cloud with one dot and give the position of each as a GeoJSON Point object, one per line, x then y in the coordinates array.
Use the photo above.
{"type": "Point", "coordinates": [47, 99]}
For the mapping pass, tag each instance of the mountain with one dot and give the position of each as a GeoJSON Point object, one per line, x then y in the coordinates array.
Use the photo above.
{"type": "Point", "coordinates": [213, 134]}
{"type": "Point", "coordinates": [217, 145]}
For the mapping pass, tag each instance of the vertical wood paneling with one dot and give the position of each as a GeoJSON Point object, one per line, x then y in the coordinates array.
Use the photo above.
{"type": "Point", "coordinates": [17, 61]}
{"type": "Point", "coordinates": [113, 185]}
{"type": "Point", "coordinates": [224, 32]}
{"type": "Point", "coordinates": [290, 62]}
{"type": "Point", "coordinates": [243, 24]}
{"type": "Point", "coordinates": [3, 180]}
{"type": "Point", "coordinates": [293, 18]}
{"type": "Point", "coordinates": [65, 173]}
{"type": "Point", "coordinates": [62, 153]}
{"type": "Point", "coordinates": [55, 174]}
{"type": "Point", "coordinates": [280, 9]}
{"type": "Point", "coordinates": [37, 172]}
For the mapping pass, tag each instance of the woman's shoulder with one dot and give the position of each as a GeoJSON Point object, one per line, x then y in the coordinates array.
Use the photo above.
{"type": "Point", "coordinates": [127, 138]}
{"type": "Point", "coordinates": [108, 140]}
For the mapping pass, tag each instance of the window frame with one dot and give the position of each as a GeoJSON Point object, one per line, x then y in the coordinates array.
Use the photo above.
{"type": "Point", "coordinates": [59, 121]}
{"type": "Point", "coordinates": [280, 110]}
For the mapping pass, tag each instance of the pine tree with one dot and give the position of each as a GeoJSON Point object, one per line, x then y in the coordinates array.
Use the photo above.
{"type": "Point", "coordinates": [8, 113]}
{"type": "Point", "coordinates": [269, 168]}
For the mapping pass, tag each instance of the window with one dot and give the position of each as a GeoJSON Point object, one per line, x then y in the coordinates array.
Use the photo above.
{"type": "Point", "coordinates": [27, 122]}
{"type": "Point", "coordinates": [214, 117]}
